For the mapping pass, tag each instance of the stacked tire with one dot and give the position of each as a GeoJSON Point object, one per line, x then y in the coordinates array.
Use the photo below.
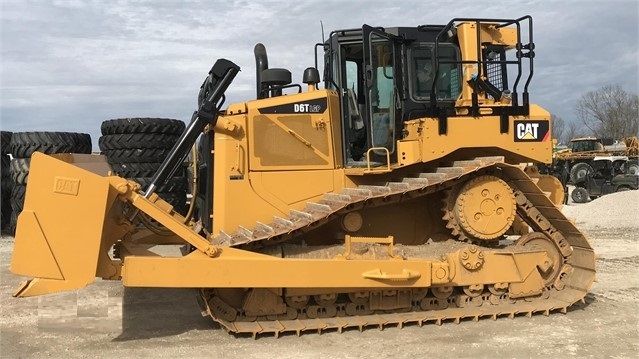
{"type": "Point", "coordinates": [23, 145]}
{"type": "Point", "coordinates": [135, 149]}
{"type": "Point", "coordinates": [5, 181]}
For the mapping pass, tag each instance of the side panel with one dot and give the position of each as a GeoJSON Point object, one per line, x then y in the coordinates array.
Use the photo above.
{"type": "Point", "coordinates": [235, 202]}
{"type": "Point", "coordinates": [275, 157]}
{"type": "Point", "coordinates": [292, 187]}
{"type": "Point", "coordinates": [291, 132]}
{"type": "Point", "coordinates": [528, 138]}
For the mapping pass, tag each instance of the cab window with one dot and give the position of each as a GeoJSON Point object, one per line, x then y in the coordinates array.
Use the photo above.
{"type": "Point", "coordinates": [448, 85]}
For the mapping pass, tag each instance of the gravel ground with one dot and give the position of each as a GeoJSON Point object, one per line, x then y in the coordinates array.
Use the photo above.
{"type": "Point", "coordinates": [106, 320]}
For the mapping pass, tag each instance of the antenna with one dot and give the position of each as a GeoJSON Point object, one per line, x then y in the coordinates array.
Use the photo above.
{"type": "Point", "coordinates": [322, 26]}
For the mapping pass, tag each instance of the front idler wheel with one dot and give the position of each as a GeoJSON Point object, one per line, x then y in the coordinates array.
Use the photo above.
{"type": "Point", "coordinates": [541, 242]}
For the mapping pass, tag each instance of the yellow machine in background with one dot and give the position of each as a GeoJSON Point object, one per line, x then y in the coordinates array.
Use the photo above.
{"type": "Point", "coordinates": [394, 195]}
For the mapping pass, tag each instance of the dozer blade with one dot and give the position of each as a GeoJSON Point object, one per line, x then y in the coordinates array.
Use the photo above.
{"type": "Point", "coordinates": [60, 232]}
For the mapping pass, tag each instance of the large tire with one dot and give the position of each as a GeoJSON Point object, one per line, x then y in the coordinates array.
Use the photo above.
{"type": "Point", "coordinates": [24, 144]}
{"type": "Point", "coordinates": [13, 222]}
{"type": "Point", "coordinates": [633, 168]}
{"type": "Point", "coordinates": [136, 140]}
{"type": "Point", "coordinates": [136, 155]}
{"type": "Point", "coordinates": [5, 171]}
{"type": "Point", "coordinates": [19, 170]}
{"type": "Point", "coordinates": [143, 125]}
{"type": "Point", "coordinates": [5, 215]}
{"type": "Point", "coordinates": [578, 172]}
{"type": "Point", "coordinates": [6, 184]}
{"type": "Point", "coordinates": [17, 197]}
{"type": "Point", "coordinates": [131, 170]}
{"type": "Point", "coordinates": [6, 161]}
{"type": "Point", "coordinates": [579, 195]}
{"type": "Point", "coordinates": [5, 141]}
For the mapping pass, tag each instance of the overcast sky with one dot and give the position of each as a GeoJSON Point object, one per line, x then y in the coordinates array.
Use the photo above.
{"type": "Point", "coordinates": [69, 65]}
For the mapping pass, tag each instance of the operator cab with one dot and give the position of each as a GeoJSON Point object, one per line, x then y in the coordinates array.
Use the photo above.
{"type": "Point", "coordinates": [586, 145]}
{"type": "Point", "coordinates": [387, 76]}
{"type": "Point", "coordinates": [380, 90]}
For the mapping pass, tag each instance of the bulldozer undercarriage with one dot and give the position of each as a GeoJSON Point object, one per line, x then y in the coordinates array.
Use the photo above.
{"type": "Point", "coordinates": [484, 200]}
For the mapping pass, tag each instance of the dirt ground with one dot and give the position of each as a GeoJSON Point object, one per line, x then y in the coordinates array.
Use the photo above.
{"type": "Point", "coordinates": [106, 320]}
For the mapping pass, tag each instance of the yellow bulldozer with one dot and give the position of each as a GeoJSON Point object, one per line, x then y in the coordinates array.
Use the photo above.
{"type": "Point", "coordinates": [399, 193]}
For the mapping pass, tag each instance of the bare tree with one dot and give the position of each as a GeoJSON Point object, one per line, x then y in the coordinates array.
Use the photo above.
{"type": "Point", "coordinates": [558, 128]}
{"type": "Point", "coordinates": [574, 130]}
{"type": "Point", "coordinates": [610, 111]}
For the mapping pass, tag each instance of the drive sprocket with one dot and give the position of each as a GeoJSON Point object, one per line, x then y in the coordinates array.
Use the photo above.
{"type": "Point", "coordinates": [479, 210]}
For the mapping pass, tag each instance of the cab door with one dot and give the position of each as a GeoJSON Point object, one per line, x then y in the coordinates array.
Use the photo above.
{"type": "Point", "coordinates": [381, 81]}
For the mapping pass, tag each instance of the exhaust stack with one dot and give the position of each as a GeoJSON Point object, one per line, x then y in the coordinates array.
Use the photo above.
{"type": "Point", "coordinates": [261, 64]}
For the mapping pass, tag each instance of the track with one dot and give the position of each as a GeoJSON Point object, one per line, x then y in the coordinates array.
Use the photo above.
{"type": "Point", "coordinates": [576, 273]}
{"type": "Point", "coordinates": [350, 199]}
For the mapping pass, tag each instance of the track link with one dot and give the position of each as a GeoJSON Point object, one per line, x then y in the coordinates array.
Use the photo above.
{"type": "Point", "coordinates": [453, 309]}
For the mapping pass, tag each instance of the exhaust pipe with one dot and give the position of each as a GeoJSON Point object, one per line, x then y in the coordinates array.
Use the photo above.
{"type": "Point", "coordinates": [261, 64]}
